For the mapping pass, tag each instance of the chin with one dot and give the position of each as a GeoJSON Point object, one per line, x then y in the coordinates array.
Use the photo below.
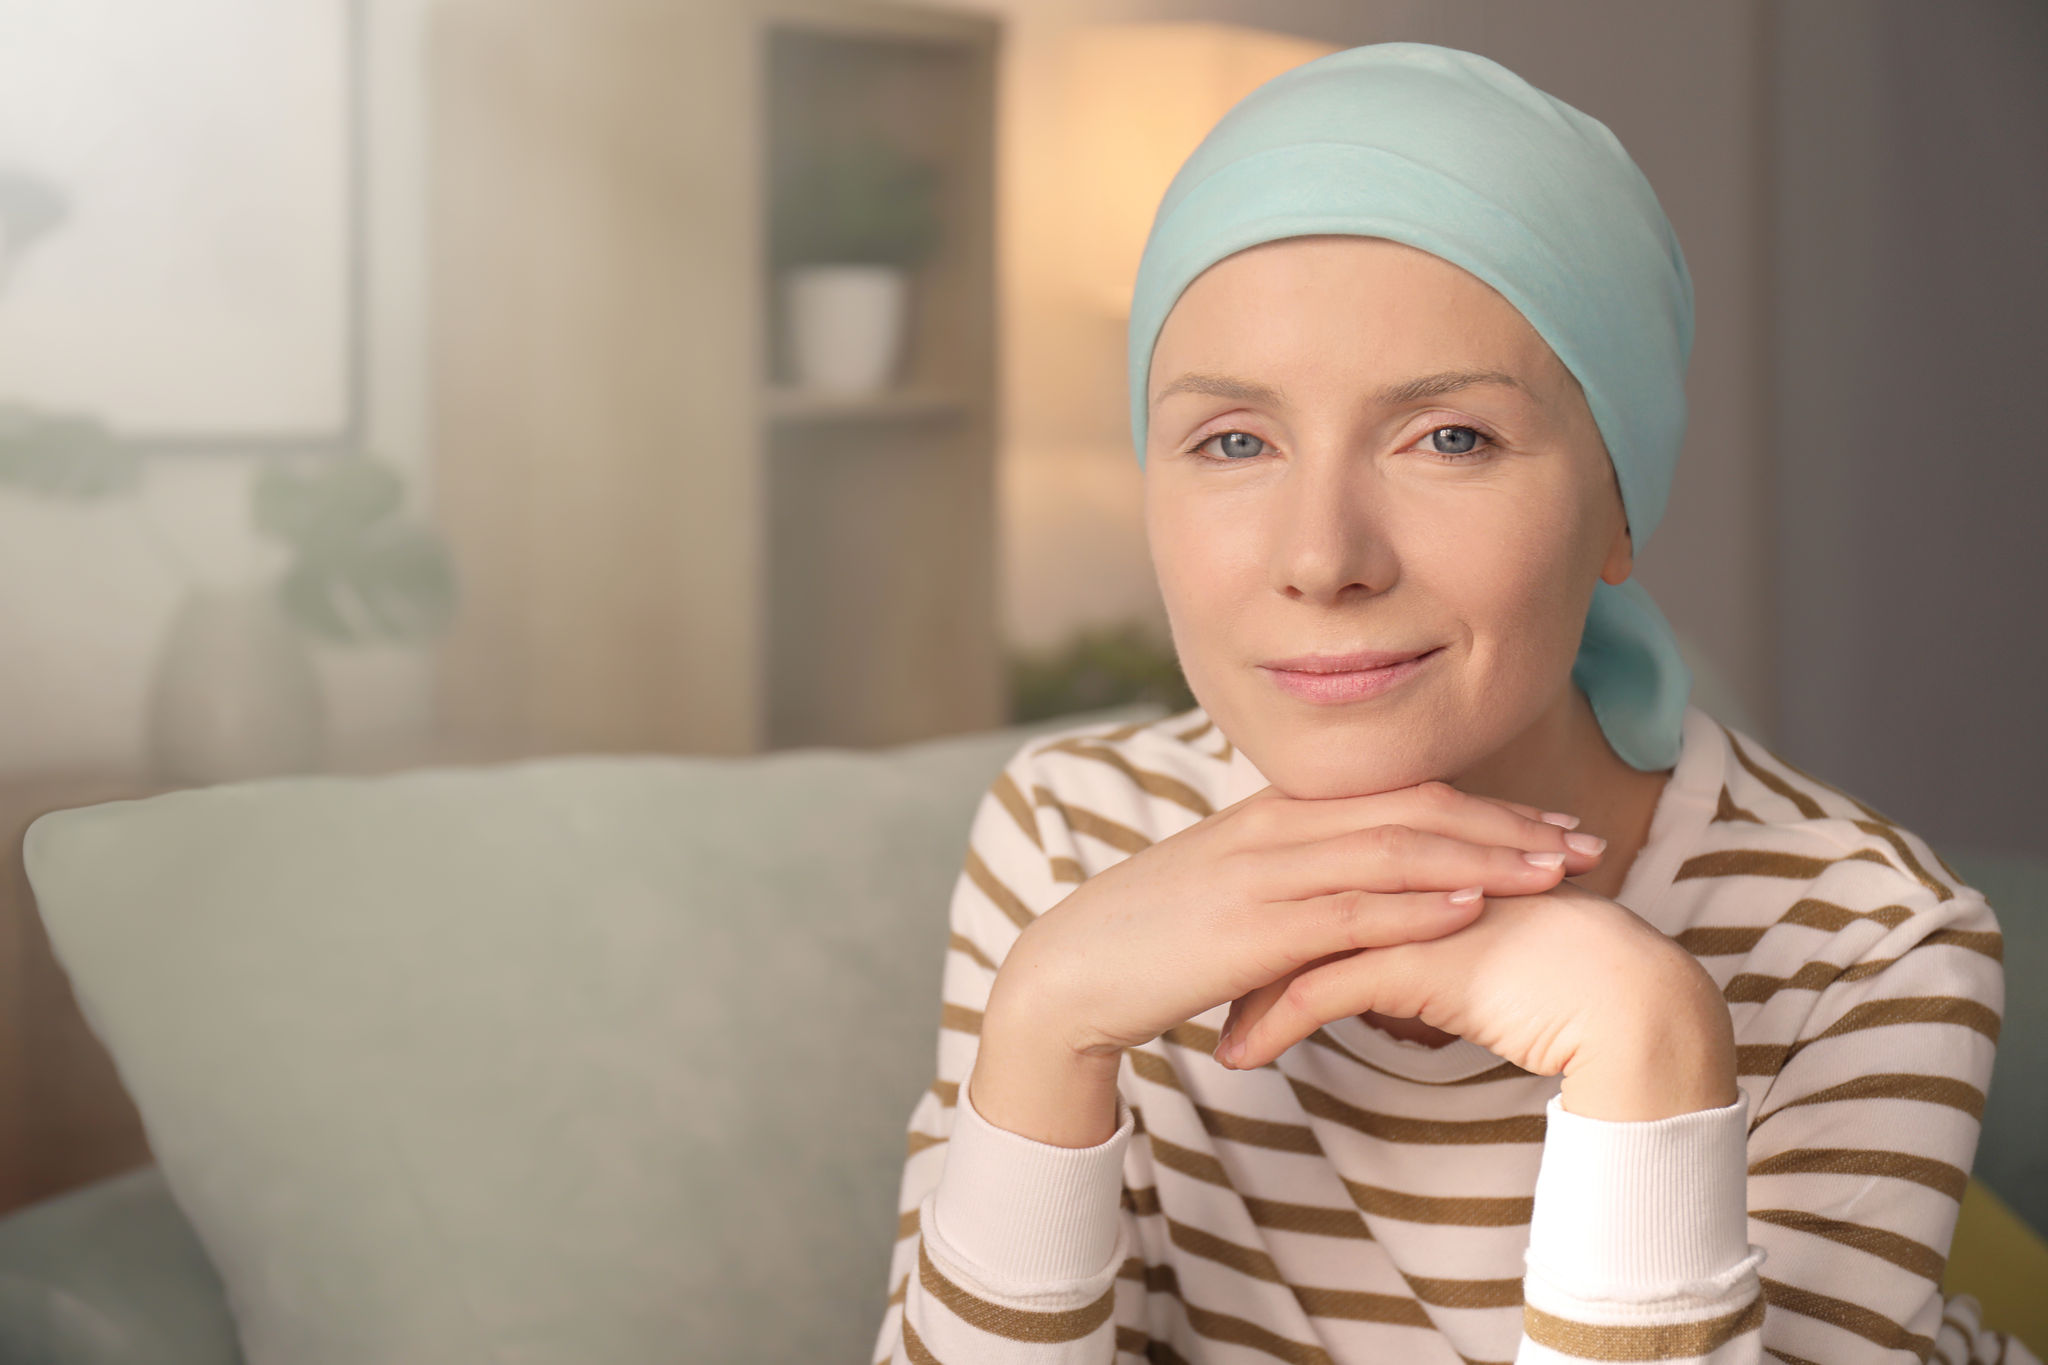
{"type": "Point", "coordinates": [1323, 775]}
{"type": "Point", "coordinates": [1317, 759]}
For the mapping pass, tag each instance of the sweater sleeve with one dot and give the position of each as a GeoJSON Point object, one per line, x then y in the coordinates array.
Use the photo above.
{"type": "Point", "coordinates": [1638, 1242]}
{"type": "Point", "coordinates": [1848, 1171]}
{"type": "Point", "coordinates": [1863, 1140]}
{"type": "Point", "coordinates": [1007, 1249]}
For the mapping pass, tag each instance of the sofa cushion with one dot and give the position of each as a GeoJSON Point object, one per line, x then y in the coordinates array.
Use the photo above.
{"type": "Point", "coordinates": [595, 1058]}
{"type": "Point", "coordinates": [110, 1274]}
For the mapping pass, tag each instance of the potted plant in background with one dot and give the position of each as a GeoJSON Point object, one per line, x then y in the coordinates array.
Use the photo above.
{"type": "Point", "coordinates": [1097, 667]}
{"type": "Point", "coordinates": [850, 221]}
{"type": "Point", "coordinates": [234, 693]}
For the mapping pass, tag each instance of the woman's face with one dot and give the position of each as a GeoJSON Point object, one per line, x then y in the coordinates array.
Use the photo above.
{"type": "Point", "coordinates": [1357, 446]}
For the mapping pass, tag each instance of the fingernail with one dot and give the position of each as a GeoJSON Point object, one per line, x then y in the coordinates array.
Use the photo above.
{"type": "Point", "coordinates": [1467, 896]}
{"type": "Point", "coordinates": [1546, 861]}
{"type": "Point", "coordinates": [1585, 843]}
{"type": "Point", "coordinates": [1559, 818]}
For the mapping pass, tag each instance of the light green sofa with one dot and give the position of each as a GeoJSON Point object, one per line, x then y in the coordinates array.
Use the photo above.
{"type": "Point", "coordinates": [583, 1059]}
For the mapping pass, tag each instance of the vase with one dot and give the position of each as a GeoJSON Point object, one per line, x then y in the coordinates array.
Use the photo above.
{"type": "Point", "coordinates": [234, 694]}
{"type": "Point", "coordinates": [845, 325]}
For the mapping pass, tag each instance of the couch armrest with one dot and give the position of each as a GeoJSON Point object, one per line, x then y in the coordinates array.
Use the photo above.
{"type": "Point", "coordinates": [110, 1274]}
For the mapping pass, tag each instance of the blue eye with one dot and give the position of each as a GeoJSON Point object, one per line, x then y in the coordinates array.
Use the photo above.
{"type": "Point", "coordinates": [1459, 443]}
{"type": "Point", "coordinates": [1236, 445]}
{"type": "Point", "coordinates": [1464, 442]}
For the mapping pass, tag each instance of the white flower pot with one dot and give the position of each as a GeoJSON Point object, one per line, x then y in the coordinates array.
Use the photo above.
{"type": "Point", "coordinates": [845, 325]}
{"type": "Point", "coordinates": [234, 694]}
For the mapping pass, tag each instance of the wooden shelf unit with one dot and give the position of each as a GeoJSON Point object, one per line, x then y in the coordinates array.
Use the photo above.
{"type": "Point", "coordinates": [661, 544]}
{"type": "Point", "coordinates": [881, 520]}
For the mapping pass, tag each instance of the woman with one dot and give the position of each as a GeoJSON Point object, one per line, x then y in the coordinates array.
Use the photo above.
{"type": "Point", "coordinates": [1447, 986]}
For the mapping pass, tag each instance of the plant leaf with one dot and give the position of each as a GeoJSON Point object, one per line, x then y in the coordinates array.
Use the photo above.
{"type": "Point", "coordinates": [394, 582]}
{"type": "Point", "coordinates": [66, 455]}
{"type": "Point", "coordinates": [326, 506]}
{"type": "Point", "coordinates": [304, 593]}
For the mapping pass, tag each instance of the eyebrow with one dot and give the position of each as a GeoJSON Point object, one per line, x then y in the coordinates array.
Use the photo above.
{"type": "Point", "coordinates": [1407, 391]}
{"type": "Point", "coordinates": [1446, 381]}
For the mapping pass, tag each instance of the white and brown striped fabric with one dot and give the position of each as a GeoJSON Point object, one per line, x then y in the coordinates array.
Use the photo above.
{"type": "Point", "coordinates": [1366, 1199]}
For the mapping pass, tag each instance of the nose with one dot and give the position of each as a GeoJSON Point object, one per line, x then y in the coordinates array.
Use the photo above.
{"type": "Point", "coordinates": [1328, 538]}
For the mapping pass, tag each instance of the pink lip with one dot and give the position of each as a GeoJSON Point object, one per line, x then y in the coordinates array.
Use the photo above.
{"type": "Point", "coordinates": [1335, 678]}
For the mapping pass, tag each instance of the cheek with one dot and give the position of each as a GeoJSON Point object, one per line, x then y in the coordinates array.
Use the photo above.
{"type": "Point", "coordinates": [1504, 563]}
{"type": "Point", "coordinates": [1208, 565]}
{"type": "Point", "coordinates": [1201, 555]}
{"type": "Point", "coordinates": [1516, 571]}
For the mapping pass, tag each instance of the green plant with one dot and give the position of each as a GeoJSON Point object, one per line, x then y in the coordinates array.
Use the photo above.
{"type": "Point", "coordinates": [858, 201]}
{"type": "Point", "coordinates": [63, 455]}
{"type": "Point", "coordinates": [359, 571]}
{"type": "Point", "coordinates": [1099, 667]}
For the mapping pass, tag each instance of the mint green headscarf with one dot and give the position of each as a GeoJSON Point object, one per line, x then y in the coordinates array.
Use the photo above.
{"type": "Point", "coordinates": [1454, 154]}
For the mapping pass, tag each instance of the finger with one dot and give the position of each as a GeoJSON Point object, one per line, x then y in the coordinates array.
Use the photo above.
{"type": "Point", "coordinates": [1396, 858]}
{"type": "Point", "coordinates": [1485, 819]}
{"type": "Point", "coordinates": [1268, 1021]}
{"type": "Point", "coordinates": [1254, 1003]}
{"type": "Point", "coordinates": [1437, 806]}
{"type": "Point", "coordinates": [1335, 923]}
{"type": "Point", "coordinates": [1562, 819]}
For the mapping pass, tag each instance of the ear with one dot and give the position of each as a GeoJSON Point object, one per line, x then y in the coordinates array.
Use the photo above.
{"type": "Point", "coordinates": [1621, 558]}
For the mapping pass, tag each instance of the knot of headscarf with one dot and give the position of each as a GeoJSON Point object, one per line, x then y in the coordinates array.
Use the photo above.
{"type": "Point", "coordinates": [1452, 153]}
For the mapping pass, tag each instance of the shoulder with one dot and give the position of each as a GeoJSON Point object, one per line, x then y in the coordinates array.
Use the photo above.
{"type": "Point", "coordinates": [1120, 786]}
{"type": "Point", "coordinates": [1857, 965]}
{"type": "Point", "coordinates": [1069, 803]}
{"type": "Point", "coordinates": [1773, 819]}
{"type": "Point", "coordinates": [1791, 868]}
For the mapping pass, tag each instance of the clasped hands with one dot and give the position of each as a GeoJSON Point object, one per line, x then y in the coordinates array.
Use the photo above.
{"type": "Point", "coordinates": [1300, 912]}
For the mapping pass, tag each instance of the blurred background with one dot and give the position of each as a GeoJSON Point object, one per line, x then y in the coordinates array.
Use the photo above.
{"type": "Point", "coordinates": [396, 382]}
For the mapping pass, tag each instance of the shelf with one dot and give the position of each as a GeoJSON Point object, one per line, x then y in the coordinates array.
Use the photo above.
{"type": "Point", "coordinates": [852, 538]}
{"type": "Point", "coordinates": [791, 406]}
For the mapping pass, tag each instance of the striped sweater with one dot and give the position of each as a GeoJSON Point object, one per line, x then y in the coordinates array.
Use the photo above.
{"type": "Point", "coordinates": [1364, 1198]}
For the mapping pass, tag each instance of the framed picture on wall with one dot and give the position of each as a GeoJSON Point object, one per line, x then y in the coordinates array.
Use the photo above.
{"type": "Point", "coordinates": [181, 220]}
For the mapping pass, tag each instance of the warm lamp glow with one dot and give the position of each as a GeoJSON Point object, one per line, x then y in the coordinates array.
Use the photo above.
{"type": "Point", "coordinates": [1140, 97]}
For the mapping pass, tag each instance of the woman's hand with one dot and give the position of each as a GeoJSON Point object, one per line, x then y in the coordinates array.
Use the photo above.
{"type": "Point", "coordinates": [1563, 981]}
{"type": "Point", "coordinates": [1241, 900]}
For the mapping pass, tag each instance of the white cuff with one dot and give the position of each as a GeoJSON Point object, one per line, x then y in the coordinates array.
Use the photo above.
{"type": "Point", "coordinates": [1636, 1212]}
{"type": "Point", "coordinates": [1022, 1215]}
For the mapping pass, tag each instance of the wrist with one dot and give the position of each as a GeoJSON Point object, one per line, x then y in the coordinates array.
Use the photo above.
{"type": "Point", "coordinates": [1028, 1080]}
{"type": "Point", "coordinates": [1669, 1050]}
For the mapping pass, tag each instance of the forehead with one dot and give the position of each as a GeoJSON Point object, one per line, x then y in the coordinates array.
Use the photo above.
{"type": "Point", "coordinates": [1349, 306]}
